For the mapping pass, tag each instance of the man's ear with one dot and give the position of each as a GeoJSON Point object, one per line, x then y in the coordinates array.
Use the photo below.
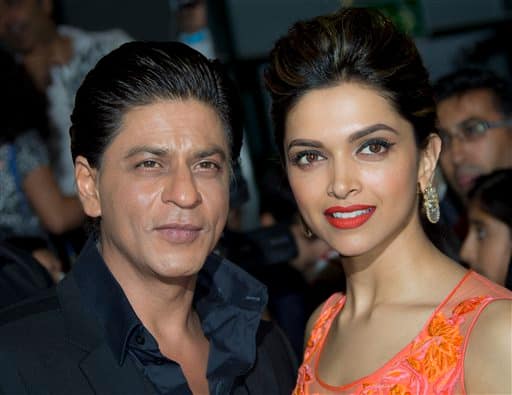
{"type": "Point", "coordinates": [429, 156]}
{"type": "Point", "coordinates": [86, 183]}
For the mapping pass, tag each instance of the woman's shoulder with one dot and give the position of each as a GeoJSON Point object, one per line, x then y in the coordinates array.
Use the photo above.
{"type": "Point", "coordinates": [488, 356]}
{"type": "Point", "coordinates": [488, 360]}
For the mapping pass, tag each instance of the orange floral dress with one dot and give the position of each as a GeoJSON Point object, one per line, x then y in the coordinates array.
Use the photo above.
{"type": "Point", "coordinates": [433, 363]}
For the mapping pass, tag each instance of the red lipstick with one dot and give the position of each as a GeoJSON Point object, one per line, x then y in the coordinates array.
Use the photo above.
{"type": "Point", "coordinates": [349, 217]}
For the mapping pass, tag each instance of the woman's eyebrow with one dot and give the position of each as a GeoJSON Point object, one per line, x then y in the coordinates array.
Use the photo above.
{"type": "Point", "coordinates": [304, 143]}
{"type": "Point", "coordinates": [368, 130]}
{"type": "Point", "coordinates": [353, 137]}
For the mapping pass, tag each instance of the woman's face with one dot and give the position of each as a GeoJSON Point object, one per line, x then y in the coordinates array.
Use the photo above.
{"type": "Point", "coordinates": [354, 167]}
{"type": "Point", "coordinates": [162, 189]}
{"type": "Point", "coordinates": [488, 245]}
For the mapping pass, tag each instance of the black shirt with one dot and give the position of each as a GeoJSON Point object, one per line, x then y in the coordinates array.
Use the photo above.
{"type": "Point", "coordinates": [228, 301]}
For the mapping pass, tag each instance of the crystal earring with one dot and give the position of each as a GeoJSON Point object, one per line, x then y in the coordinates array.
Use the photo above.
{"type": "Point", "coordinates": [431, 203]}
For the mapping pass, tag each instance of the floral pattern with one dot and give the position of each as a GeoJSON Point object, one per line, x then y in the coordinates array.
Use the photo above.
{"type": "Point", "coordinates": [430, 364]}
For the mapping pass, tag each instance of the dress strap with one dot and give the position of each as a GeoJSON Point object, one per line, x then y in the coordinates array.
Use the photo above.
{"type": "Point", "coordinates": [331, 301]}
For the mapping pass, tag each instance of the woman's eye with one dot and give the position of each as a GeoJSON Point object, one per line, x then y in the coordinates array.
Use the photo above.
{"type": "Point", "coordinates": [375, 147]}
{"type": "Point", "coordinates": [306, 158]}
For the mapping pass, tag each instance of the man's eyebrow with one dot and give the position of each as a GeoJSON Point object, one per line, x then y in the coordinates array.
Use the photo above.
{"type": "Point", "coordinates": [210, 152]}
{"type": "Point", "coordinates": [162, 151]}
{"type": "Point", "coordinates": [157, 151]}
{"type": "Point", "coordinates": [476, 222]}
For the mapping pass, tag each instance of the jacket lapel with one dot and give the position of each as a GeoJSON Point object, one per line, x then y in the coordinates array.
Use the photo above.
{"type": "Point", "coordinates": [104, 374]}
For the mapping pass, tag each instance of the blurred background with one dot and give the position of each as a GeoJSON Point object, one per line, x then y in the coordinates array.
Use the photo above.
{"type": "Point", "coordinates": [449, 34]}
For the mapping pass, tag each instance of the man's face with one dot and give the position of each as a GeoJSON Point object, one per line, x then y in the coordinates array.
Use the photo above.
{"type": "Point", "coordinates": [25, 23]}
{"type": "Point", "coordinates": [163, 190]}
{"type": "Point", "coordinates": [464, 159]}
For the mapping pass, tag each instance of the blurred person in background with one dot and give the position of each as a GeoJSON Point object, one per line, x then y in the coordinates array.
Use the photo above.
{"type": "Point", "coordinates": [488, 244]}
{"type": "Point", "coordinates": [474, 110]}
{"type": "Point", "coordinates": [32, 206]}
{"type": "Point", "coordinates": [56, 57]}
{"type": "Point", "coordinates": [192, 25]}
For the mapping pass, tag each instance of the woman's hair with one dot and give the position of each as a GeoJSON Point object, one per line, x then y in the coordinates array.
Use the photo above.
{"type": "Point", "coordinates": [351, 45]}
{"type": "Point", "coordinates": [141, 73]}
{"type": "Point", "coordinates": [493, 194]}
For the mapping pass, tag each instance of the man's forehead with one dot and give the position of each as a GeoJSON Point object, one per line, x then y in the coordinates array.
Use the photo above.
{"type": "Point", "coordinates": [474, 103]}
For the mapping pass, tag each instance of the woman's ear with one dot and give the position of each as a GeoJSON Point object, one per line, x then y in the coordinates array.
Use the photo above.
{"type": "Point", "coordinates": [429, 156]}
{"type": "Point", "coordinates": [86, 183]}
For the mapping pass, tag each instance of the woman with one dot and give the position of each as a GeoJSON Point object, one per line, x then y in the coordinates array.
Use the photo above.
{"type": "Point", "coordinates": [487, 247]}
{"type": "Point", "coordinates": [147, 308]}
{"type": "Point", "coordinates": [31, 203]}
{"type": "Point", "coordinates": [354, 123]}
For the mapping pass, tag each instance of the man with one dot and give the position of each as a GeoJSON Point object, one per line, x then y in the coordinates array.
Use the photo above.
{"type": "Point", "coordinates": [57, 58]}
{"type": "Point", "coordinates": [474, 109]}
{"type": "Point", "coordinates": [148, 308]}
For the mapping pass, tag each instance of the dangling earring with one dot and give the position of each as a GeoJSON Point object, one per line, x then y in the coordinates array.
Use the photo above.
{"type": "Point", "coordinates": [308, 234]}
{"type": "Point", "coordinates": [431, 203]}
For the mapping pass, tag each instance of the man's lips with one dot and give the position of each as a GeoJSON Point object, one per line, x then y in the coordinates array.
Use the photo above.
{"type": "Point", "coordinates": [179, 233]}
{"type": "Point", "coordinates": [349, 217]}
{"type": "Point", "coordinates": [466, 181]}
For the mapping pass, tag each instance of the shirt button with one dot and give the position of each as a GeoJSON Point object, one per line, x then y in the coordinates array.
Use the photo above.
{"type": "Point", "coordinates": [140, 339]}
{"type": "Point", "coordinates": [159, 361]}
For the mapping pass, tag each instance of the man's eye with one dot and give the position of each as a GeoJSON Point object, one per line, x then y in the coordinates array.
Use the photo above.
{"type": "Point", "coordinates": [474, 128]}
{"type": "Point", "coordinates": [148, 164]}
{"type": "Point", "coordinates": [208, 165]}
{"type": "Point", "coordinates": [481, 232]}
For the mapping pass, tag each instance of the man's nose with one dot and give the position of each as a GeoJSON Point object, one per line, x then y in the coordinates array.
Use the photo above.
{"type": "Point", "coordinates": [181, 188]}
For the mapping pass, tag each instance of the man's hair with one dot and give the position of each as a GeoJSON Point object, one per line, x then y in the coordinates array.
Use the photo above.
{"type": "Point", "coordinates": [465, 80]}
{"type": "Point", "coordinates": [141, 73]}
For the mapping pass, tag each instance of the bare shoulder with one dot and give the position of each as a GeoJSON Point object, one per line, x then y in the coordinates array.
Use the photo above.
{"type": "Point", "coordinates": [488, 360]}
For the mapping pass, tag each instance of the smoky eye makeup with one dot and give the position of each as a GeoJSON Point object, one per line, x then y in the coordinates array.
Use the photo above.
{"type": "Point", "coordinates": [304, 157]}
{"type": "Point", "coordinates": [375, 146]}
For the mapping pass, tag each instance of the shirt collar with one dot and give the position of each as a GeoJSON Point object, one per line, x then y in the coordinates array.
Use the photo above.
{"type": "Point", "coordinates": [229, 303]}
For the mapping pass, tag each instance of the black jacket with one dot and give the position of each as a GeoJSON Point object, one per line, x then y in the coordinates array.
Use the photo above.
{"type": "Point", "coordinates": [21, 276]}
{"type": "Point", "coordinates": [54, 345]}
